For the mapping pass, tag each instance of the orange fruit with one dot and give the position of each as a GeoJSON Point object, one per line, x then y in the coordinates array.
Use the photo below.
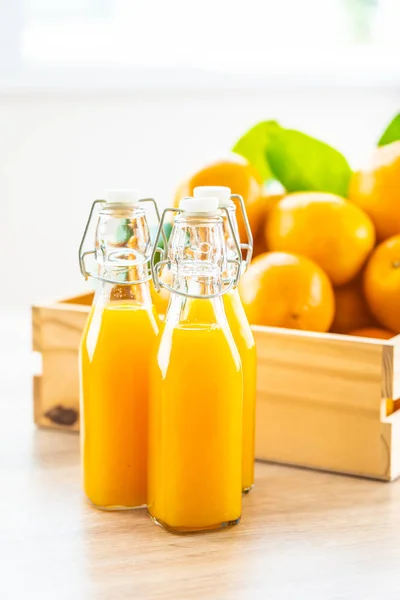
{"type": "Point", "coordinates": [239, 175]}
{"type": "Point", "coordinates": [161, 299]}
{"type": "Point", "coordinates": [271, 200]}
{"type": "Point", "coordinates": [373, 332]}
{"type": "Point", "coordinates": [260, 245]}
{"type": "Point", "coordinates": [326, 228]}
{"type": "Point", "coordinates": [382, 283]}
{"type": "Point", "coordinates": [352, 310]}
{"type": "Point", "coordinates": [284, 290]}
{"type": "Point", "coordinates": [376, 190]}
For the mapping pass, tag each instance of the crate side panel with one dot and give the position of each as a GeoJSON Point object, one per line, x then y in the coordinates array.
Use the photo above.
{"type": "Point", "coordinates": [37, 398]}
{"type": "Point", "coordinates": [55, 328]}
{"type": "Point", "coordinates": [83, 299]}
{"type": "Point", "coordinates": [59, 390]}
{"type": "Point", "coordinates": [340, 373]}
{"type": "Point", "coordinates": [391, 436]}
{"type": "Point", "coordinates": [396, 367]}
{"type": "Point", "coordinates": [36, 328]}
{"type": "Point", "coordinates": [387, 389]}
{"type": "Point", "coordinates": [320, 437]}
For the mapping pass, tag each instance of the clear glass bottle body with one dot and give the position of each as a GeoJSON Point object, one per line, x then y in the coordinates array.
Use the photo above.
{"type": "Point", "coordinates": [196, 405]}
{"type": "Point", "coordinates": [115, 351]}
{"type": "Point", "coordinates": [244, 339]}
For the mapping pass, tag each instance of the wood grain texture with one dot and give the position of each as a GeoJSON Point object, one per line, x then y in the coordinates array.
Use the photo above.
{"type": "Point", "coordinates": [391, 438]}
{"type": "Point", "coordinates": [320, 404]}
{"type": "Point", "coordinates": [321, 399]}
{"type": "Point", "coordinates": [58, 327]}
{"type": "Point", "coordinates": [331, 370]}
{"type": "Point", "coordinates": [85, 299]}
{"type": "Point", "coordinates": [56, 334]}
{"type": "Point", "coordinates": [396, 367]}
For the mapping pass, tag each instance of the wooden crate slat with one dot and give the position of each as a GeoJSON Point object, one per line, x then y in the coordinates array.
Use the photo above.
{"type": "Point", "coordinates": [60, 389]}
{"type": "Point", "coordinates": [391, 438]}
{"type": "Point", "coordinates": [58, 326]}
{"type": "Point", "coordinates": [37, 398]}
{"type": "Point", "coordinates": [339, 372]}
{"type": "Point", "coordinates": [85, 299]}
{"type": "Point", "coordinates": [57, 331]}
{"type": "Point", "coordinates": [396, 367]}
{"type": "Point", "coordinates": [321, 399]}
{"type": "Point", "coordinates": [320, 437]}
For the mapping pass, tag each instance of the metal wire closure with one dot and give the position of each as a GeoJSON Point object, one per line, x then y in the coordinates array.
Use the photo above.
{"type": "Point", "coordinates": [162, 251]}
{"type": "Point", "coordinates": [156, 268]}
{"type": "Point", "coordinates": [143, 259]}
{"type": "Point", "coordinates": [249, 246]}
{"type": "Point", "coordinates": [81, 253]}
{"type": "Point", "coordinates": [154, 203]}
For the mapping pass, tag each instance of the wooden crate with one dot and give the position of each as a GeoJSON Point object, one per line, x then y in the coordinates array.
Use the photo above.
{"type": "Point", "coordinates": [322, 398]}
{"type": "Point", "coordinates": [56, 333]}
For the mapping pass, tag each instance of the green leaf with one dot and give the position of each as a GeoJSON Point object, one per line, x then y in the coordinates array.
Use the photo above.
{"type": "Point", "coordinates": [298, 161]}
{"type": "Point", "coordinates": [303, 163]}
{"type": "Point", "coordinates": [252, 146]}
{"type": "Point", "coordinates": [124, 232]}
{"type": "Point", "coordinates": [153, 232]}
{"type": "Point", "coordinates": [392, 132]}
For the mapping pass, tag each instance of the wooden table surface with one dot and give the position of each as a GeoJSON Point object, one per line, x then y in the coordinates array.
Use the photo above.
{"type": "Point", "coordinates": [303, 535]}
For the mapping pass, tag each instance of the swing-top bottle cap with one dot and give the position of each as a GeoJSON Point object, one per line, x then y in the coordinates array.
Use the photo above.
{"type": "Point", "coordinates": [221, 192]}
{"type": "Point", "coordinates": [201, 205]}
{"type": "Point", "coordinates": [123, 196]}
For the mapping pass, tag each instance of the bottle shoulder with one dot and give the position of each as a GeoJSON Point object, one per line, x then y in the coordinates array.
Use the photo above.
{"type": "Point", "coordinates": [238, 321]}
{"type": "Point", "coordinates": [197, 346]}
{"type": "Point", "coordinates": [122, 325]}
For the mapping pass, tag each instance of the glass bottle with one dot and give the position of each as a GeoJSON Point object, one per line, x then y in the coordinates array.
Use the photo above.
{"type": "Point", "coordinates": [114, 355]}
{"type": "Point", "coordinates": [196, 402]}
{"type": "Point", "coordinates": [240, 327]}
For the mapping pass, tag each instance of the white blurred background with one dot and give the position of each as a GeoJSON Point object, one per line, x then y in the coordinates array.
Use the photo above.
{"type": "Point", "coordinates": [138, 93]}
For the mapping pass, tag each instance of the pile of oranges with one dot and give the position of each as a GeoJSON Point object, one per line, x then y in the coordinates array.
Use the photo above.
{"type": "Point", "coordinates": [321, 262]}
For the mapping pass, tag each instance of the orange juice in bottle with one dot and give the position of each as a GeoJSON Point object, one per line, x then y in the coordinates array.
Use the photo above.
{"type": "Point", "coordinates": [239, 325]}
{"type": "Point", "coordinates": [196, 401]}
{"type": "Point", "coordinates": [115, 353]}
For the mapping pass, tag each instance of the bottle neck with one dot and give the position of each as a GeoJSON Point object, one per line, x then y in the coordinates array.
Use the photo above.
{"type": "Point", "coordinates": [135, 295]}
{"type": "Point", "coordinates": [192, 312]}
{"type": "Point", "coordinates": [195, 313]}
{"type": "Point", "coordinates": [197, 260]}
{"type": "Point", "coordinates": [122, 243]}
{"type": "Point", "coordinates": [198, 285]}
